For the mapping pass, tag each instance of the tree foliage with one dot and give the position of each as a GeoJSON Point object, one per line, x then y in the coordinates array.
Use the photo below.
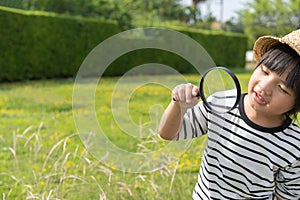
{"type": "Point", "coordinates": [126, 12]}
{"type": "Point", "coordinates": [270, 17]}
{"type": "Point", "coordinates": [102, 9]}
{"type": "Point", "coordinates": [149, 12]}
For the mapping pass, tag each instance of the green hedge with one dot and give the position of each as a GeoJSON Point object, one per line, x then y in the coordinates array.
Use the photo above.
{"type": "Point", "coordinates": [37, 45]}
{"type": "Point", "coordinates": [227, 49]}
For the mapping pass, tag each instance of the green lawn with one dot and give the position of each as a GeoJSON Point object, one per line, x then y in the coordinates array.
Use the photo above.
{"type": "Point", "coordinates": [42, 156]}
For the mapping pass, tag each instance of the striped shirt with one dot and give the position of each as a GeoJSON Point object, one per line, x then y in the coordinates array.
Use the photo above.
{"type": "Point", "coordinates": [243, 160]}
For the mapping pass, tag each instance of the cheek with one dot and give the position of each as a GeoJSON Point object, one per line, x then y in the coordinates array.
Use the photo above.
{"type": "Point", "coordinates": [288, 104]}
{"type": "Point", "coordinates": [251, 83]}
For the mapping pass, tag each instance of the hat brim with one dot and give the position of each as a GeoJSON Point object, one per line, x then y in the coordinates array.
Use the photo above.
{"type": "Point", "coordinates": [263, 44]}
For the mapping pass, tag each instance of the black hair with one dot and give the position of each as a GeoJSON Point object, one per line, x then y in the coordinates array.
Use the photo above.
{"type": "Point", "coordinates": [283, 60]}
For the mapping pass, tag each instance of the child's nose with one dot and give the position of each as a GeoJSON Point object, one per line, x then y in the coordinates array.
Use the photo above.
{"type": "Point", "coordinates": [266, 86]}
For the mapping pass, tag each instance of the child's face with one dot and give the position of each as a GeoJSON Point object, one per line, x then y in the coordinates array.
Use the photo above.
{"type": "Point", "coordinates": [268, 93]}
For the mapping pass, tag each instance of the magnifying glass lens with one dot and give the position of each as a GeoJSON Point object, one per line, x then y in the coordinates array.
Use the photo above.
{"type": "Point", "coordinates": [220, 89]}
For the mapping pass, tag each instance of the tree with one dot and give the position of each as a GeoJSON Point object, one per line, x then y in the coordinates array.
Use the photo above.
{"type": "Point", "coordinates": [126, 12]}
{"type": "Point", "coordinates": [270, 17]}
{"type": "Point", "coordinates": [195, 11]}
{"type": "Point", "coordinates": [196, 2]}
{"type": "Point", "coordinates": [102, 9]}
{"type": "Point", "coordinates": [233, 25]}
{"type": "Point", "coordinates": [150, 12]}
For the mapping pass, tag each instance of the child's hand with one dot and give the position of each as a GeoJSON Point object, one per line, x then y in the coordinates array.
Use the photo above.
{"type": "Point", "coordinates": [186, 95]}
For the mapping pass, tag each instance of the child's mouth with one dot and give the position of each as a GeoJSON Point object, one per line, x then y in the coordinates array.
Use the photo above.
{"type": "Point", "coordinates": [259, 99]}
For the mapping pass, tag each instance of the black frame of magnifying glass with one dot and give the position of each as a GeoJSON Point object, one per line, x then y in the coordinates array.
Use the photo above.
{"type": "Point", "coordinates": [235, 79]}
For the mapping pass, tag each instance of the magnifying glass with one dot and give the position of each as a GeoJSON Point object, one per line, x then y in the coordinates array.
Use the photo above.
{"type": "Point", "coordinates": [219, 89]}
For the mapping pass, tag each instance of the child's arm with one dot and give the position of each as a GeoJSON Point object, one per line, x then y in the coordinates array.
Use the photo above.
{"type": "Point", "coordinates": [182, 99]}
{"type": "Point", "coordinates": [171, 121]}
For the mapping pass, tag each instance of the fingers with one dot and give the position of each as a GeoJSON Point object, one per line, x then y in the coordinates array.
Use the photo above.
{"type": "Point", "coordinates": [186, 94]}
{"type": "Point", "coordinates": [195, 92]}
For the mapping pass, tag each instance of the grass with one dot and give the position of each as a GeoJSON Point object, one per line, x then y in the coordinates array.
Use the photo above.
{"type": "Point", "coordinates": [42, 156]}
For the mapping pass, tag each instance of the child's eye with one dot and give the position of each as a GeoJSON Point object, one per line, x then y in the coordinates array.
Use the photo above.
{"type": "Point", "coordinates": [282, 89]}
{"type": "Point", "coordinates": [264, 70]}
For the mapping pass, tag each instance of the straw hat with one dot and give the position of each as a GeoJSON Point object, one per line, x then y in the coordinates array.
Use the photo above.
{"type": "Point", "coordinates": [264, 43]}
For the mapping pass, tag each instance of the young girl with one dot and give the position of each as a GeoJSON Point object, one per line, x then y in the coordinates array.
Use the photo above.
{"type": "Point", "coordinates": [253, 152]}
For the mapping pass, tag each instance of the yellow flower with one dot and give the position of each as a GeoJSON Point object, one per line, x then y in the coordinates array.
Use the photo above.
{"type": "Point", "coordinates": [42, 183]}
{"type": "Point", "coordinates": [68, 164]}
{"type": "Point", "coordinates": [188, 163]}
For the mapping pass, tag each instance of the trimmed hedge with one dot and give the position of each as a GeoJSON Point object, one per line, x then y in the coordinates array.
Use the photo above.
{"type": "Point", "coordinates": [227, 49]}
{"type": "Point", "coordinates": [37, 45]}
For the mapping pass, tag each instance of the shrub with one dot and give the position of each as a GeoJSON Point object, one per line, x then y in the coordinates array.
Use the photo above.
{"type": "Point", "coordinates": [45, 45]}
{"type": "Point", "coordinates": [38, 45]}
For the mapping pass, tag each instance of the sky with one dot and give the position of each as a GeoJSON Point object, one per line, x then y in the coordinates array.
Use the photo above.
{"type": "Point", "coordinates": [229, 7]}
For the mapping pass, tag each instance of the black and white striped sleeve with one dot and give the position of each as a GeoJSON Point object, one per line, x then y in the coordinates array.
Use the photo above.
{"type": "Point", "coordinates": [194, 122]}
{"type": "Point", "coordinates": [288, 182]}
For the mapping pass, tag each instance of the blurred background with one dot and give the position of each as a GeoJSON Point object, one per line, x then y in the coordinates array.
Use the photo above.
{"type": "Point", "coordinates": [253, 17]}
{"type": "Point", "coordinates": [87, 23]}
{"type": "Point", "coordinates": [69, 29]}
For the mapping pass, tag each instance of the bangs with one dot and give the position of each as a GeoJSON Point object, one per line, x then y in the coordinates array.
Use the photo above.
{"type": "Point", "coordinates": [285, 62]}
